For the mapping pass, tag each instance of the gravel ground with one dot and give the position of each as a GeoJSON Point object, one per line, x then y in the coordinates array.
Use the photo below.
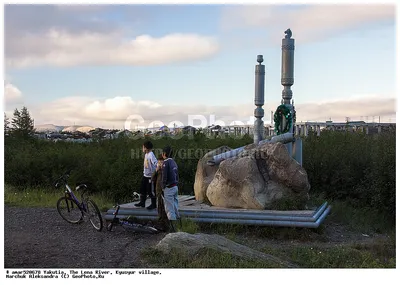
{"type": "Point", "coordinates": [40, 238]}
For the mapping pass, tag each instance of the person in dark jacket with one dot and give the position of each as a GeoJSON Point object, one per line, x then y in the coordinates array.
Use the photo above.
{"type": "Point", "coordinates": [170, 180]}
{"type": "Point", "coordinates": [157, 183]}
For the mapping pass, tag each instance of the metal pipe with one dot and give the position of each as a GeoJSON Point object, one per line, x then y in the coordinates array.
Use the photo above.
{"type": "Point", "coordinates": [287, 76]}
{"type": "Point", "coordinates": [279, 223]}
{"type": "Point", "coordinates": [323, 216]}
{"type": "Point", "coordinates": [220, 157]}
{"type": "Point", "coordinates": [298, 151]}
{"type": "Point", "coordinates": [259, 100]}
{"type": "Point", "coordinates": [109, 217]}
{"type": "Point", "coordinates": [236, 216]}
{"type": "Point", "coordinates": [287, 71]}
{"type": "Point", "coordinates": [283, 138]}
{"type": "Point", "coordinates": [204, 213]}
{"type": "Point", "coordinates": [261, 213]}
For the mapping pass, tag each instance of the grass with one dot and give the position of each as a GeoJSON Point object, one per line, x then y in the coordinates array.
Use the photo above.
{"type": "Point", "coordinates": [363, 220]}
{"type": "Point", "coordinates": [189, 226]}
{"type": "Point", "coordinates": [41, 197]}
{"type": "Point", "coordinates": [379, 254]}
{"type": "Point", "coordinates": [204, 258]}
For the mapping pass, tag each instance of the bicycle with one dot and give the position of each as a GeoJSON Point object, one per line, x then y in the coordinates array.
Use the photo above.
{"type": "Point", "coordinates": [72, 210]}
{"type": "Point", "coordinates": [127, 224]}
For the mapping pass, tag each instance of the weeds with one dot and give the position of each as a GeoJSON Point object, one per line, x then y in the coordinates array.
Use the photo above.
{"type": "Point", "coordinates": [41, 197]}
{"type": "Point", "coordinates": [204, 258]}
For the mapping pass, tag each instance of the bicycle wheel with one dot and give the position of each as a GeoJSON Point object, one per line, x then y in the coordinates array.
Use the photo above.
{"type": "Point", "coordinates": [94, 215]}
{"type": "Point", "coordinates": [69, 210]}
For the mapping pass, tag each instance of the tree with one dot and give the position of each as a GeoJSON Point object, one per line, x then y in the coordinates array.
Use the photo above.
{"type": "Point", "coordinates": [22, 123]}
{"type": "Point", "coordinates": [6, 124]}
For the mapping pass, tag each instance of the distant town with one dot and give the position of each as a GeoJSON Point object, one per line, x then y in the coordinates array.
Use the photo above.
{"type": "Point", "coordinates": [87, 133]}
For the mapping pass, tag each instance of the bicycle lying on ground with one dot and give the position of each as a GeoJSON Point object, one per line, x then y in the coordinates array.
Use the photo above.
{"type": "Point", "coordinates": [72, 210]}
{"type": "Point", "coordinates": [128, 224]}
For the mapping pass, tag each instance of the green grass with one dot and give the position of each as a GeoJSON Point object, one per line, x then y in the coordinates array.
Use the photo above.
{"type": "Point", "coordinates": [41, 197]}
{"type": "Point", "coordinates": [189, 226]}
{"type": "Point", "coordinates": [365, 220]}
{"type": "Point", "coordinates": [379, 254]}
{"type": "Point", "coordinates": [204, 258]}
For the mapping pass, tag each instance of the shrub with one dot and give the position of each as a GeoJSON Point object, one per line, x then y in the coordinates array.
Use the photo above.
{"type": "Point", "coordinates": [355, 167]}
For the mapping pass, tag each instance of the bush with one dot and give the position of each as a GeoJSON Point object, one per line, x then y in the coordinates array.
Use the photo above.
{"type": "Point", "coordinates": [355, 167]}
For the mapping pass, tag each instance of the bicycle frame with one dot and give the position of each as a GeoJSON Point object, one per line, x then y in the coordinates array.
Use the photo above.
{"type": "Point", "coordinates": [134, 226]}
{"type": "Point", "coordinates": [82, 205]}
{"type": "Point", "coordinates": [70, 194]}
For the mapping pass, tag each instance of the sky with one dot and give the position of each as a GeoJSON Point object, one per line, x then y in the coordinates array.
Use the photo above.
{"type": "Point", "coordinates": [124, 66]}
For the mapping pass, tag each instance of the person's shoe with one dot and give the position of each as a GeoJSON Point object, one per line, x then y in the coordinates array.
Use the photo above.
{"type": "Point", "coordinates": [153, 204]}
{"type": "Point", "coordinates": [151, 207]}
{"type": "Point", "coordinates": [142, 202]}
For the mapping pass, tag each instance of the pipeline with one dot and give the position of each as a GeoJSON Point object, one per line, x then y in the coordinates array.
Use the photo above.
{"type": "Point", "coordinates": [279, 215]}
{"type": "Point", "coordinates": [217, 159]}
{"type": "Point", "coordinates": [220, 157]}
{"type": "Point", "coordinates": [279, 223]}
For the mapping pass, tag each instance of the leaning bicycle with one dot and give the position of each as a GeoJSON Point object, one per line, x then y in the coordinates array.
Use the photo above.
{"type": "Point", "coordinates": [72, 210]}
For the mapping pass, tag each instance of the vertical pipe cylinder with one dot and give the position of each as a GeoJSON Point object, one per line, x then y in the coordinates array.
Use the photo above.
{"type": "Point", "coordinates": [259, 100]}
{"type": "Point", "coordinates": [298, 151]}
{"type": "Point", "coordinates": [287, 71]}
{"type": "Point", "coordinates": [287, 75]}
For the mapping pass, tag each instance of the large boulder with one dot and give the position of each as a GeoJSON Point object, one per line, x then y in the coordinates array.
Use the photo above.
{"type": "Point", "coordinates": [237, 183]}
{"type": "Point", "coordinates": [258, 178]}
{"type": "Point", "coordinates": [205, 173]}
{"type": "Point", "coordinates": [192, 244]}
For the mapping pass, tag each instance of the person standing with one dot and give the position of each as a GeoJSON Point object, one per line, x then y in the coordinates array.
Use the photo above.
{"type": "Point", "coordinates": [170, 179]}
{"type": "Point", "coordinates": [150, 164]}
{"type": "Point", "coordinates": [157, 183]}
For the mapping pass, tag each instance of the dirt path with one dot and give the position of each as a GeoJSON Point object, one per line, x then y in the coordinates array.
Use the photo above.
{"type": "Point", "coordinates": [40, 238]}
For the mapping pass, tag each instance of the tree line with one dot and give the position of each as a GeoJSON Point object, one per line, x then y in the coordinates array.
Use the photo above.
{"type": "Point", "coordinates": [21, 125]}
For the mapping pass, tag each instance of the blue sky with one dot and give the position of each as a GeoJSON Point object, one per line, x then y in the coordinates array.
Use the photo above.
{"type": "Point", "coordinates": [97, 65]}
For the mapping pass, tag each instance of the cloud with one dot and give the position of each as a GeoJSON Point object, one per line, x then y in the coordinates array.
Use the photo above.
{"type": "Point", "coordinates": [355, 108]}
{"type": "Point", "coordinates": [65, 36]}
{"type": "Point", "coordinates": [119, 112]}
{"type": "Point", "coordinates": [63, 49]}
{"type": "Point", "coordinates": [11, 93]}
{"type": "Point", "coordinates": [309, 23]}
{"type": "Point", "coordinates": [37, 19]}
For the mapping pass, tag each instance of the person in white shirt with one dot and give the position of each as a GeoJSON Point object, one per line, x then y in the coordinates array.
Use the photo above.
{"type": "Point", "coordinates": [150, 164]}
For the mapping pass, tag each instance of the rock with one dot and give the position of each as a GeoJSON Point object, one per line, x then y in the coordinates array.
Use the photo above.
{"type": "Point", "coordinates": [237, 184]}
{"type": "Point", "coordinates": [284, 169]}
{"type": "Point", "coordinates": [191, 244]}
{"type": "Point", "coordinates": [258, 178]}
{"type": "Point", "coordinates": [205, 173]}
